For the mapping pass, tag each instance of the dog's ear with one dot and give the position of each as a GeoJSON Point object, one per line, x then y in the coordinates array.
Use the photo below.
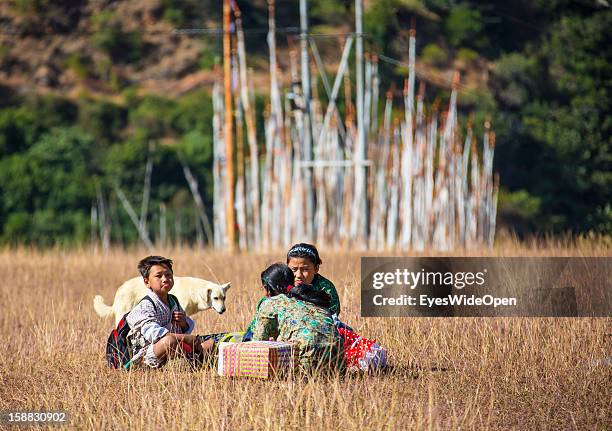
{"type": "Point", "coordinates": [208, 298]}
{"type": "Point", "coordinates": [226, 287]}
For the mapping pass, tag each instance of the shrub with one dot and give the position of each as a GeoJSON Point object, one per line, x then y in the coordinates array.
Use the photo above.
{"type": "Point", "coordinates": [17, 228]}
{"type": "Point", "coordinates": [463, 27]}
{"type": "Point", "coordinates": [434, 55]}
{"type": "Point", "coordinates": [4, 51]}
{"type": "Point", "coordinates": [208, 58]}
{"type": "Point", "coordinates": [30, 9]}
{"type": "Point", "coordinates": [104, 120]}
{"type": "Point", "coordinates": [109, 36]}
{"type": "Point", "coordinates": [466, 55]}
{"type": "Point", "coordinates": [80, 64]}
{"type": "Point", "coordinates": [513, 78]}
{"type": "Point", "coordinates": [179, 12]}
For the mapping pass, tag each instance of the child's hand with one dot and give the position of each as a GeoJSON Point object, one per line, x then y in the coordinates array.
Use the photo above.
{"type": "Point", "coordinates": [178, 317]}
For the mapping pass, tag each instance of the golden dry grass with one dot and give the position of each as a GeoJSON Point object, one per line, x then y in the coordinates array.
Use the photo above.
{"type": "Point", "coordinates": [468, 373]}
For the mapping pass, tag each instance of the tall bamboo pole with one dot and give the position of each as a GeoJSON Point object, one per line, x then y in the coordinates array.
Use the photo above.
{"type": "Point", "coordinates": [375, 95]}
{"type": "Point", "coordinates": [144, 235]}
{"type": "Point", "coordinates": [94, 224]}
{"type": "Point", "coordinates": [197, 197]}
{"type": "Point", "coordinates": [228, 132]}
{"type": "Point", "coordinates": [367, 97]}
{"type": "Point", "coordinates": [251, 133]}
{"type": "Point", "coordinates": [240, 207]}
{"type": "Point", "coordinates": [219, 220]}
{"type": "Point", "coordinates": [359, 226]}
{"type": "Point", "coordinates": [419, 219]}
{"type": "Point", "coordinates": [377, 230]}
{"type": "Point", "coordinates": [105, 220]}
{"type": "Point", "coordinates": [392, 216]}
{"type": "Point", "coordinates": [331, 106]}
{"type": "Point", "coordinates": [407, 153]}
{"type": "Point", "coordinates": [161, 241]}
{"type": "Point", "coordinates": [146, 193]}
{"type": "Point", "coordinates": [307, 132]}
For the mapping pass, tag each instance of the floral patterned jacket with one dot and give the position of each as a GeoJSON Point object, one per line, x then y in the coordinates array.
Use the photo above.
{"type": "Point", "coordinates": [319, 283]}
{"type": "Point", "coordinates": [320, 346]}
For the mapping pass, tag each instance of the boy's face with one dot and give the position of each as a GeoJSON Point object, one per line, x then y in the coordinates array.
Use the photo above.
{"type": "Point", "coordinates": [160, 280]}
{"type": "Point", "coordinates": [303, 269]}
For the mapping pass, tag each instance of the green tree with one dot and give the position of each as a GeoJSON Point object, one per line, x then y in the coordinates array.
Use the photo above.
{"type": "Point", "coordinates": [557, 145]}
{"type": "Point", "coordinates": [103, 120]}
{"type": "Point", "coordinates": [463, 27]}
{"type": "Point", "coordinates": [152, 118]}
{"type": "Point", "coordinates": [21, 126]}
{"type": "Point", "coordinates": [51, 182]}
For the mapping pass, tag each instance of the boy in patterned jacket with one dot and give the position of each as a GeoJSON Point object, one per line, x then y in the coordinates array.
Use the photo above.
{"type": "Point", "coordinates": [160, 329]}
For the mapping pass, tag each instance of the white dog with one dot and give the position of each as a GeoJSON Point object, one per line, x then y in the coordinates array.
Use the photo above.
{"type": "Point", "coordinates": [194, 294]}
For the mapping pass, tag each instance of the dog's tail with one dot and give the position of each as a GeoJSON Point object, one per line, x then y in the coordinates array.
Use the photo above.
{"type": "Point", "coordinates": [101, 308]}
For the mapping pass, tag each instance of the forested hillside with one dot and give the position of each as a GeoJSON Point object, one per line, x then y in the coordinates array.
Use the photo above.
{"type": "Point", "coordinates": [90, 90]}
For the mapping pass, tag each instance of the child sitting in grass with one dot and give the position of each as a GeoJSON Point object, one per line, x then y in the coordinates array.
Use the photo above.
{"type": "Point", "coordinates": [299, 314]}
{"type": "Point", "coordinates": [159, 327]}
{"type": "Point", "coordinates": [304, 261]}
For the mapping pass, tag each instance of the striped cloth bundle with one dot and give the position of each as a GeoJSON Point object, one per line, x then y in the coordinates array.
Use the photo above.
{"type": "Point", "coordinates": [260, 359]}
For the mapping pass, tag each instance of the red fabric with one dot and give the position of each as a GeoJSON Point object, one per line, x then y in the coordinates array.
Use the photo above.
{"type": "Point", "coordinates": [186, 347]}
{"type": "Point", "coordinates": [353, 351]}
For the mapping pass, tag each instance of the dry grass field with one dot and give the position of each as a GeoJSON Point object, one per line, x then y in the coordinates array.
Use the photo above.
{"type": "Point", "coordinates": [454, 373]}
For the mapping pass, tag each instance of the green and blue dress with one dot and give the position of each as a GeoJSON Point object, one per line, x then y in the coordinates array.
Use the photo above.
{"type": "Point", "coordinates": [312, 328]}
{"type": "Point", "coordinates": [319, 283]}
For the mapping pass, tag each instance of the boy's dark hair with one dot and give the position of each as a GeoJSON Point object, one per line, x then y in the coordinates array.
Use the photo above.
{"type": "Point", "coordinates": [278, 279]}
{"type": "Point", "coordinates": [144, 266]}
{"type": "Point", "coordinates": [304, 250]}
